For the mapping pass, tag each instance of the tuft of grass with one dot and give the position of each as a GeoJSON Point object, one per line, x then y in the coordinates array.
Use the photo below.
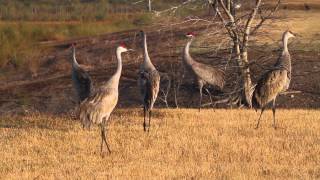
{"type": "Point", "coordinates": [182, 143]}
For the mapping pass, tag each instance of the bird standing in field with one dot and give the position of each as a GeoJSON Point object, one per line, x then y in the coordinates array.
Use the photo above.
{"type": "Point", "coordinates": [275, 81]}
{"type": "Point", "coordinates": [149, 82]}
{"type": "Point", "coordinates": [96, 109]}
{"type": "Point", "coordinates": [80, 78]}
{"type": "Point", "coordinates": [202, 73]}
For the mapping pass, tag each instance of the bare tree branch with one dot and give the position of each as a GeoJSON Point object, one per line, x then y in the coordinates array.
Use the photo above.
{"type": "Point", "coordinates": [263, 19]}
{"type": "Point", "coordinates": [231, 18]}
{"type": "Point", "coordinates": [174, 8]}
{"type": "Point", "coordinates": [249, 23]}
{"type": "Point", "coordinates": [137, 2]}
{"type": "Point", "coordinates": [165, 81]}
{"type": "Point", "coordinates": [215, 5]}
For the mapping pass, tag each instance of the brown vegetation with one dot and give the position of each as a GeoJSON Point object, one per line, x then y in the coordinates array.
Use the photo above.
{"type": "Point", "coordinates": [52, 86]}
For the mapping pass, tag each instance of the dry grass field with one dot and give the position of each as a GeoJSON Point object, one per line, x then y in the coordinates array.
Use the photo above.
{"type": "Point", "coordinates": [220, 144]}
{"type": "Point", "coordinates": [39, 140]}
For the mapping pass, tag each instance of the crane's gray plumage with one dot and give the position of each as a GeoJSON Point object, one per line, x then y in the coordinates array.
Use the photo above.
{"type": "Point", "coordinates": [80, 78]}
{"type": "Point", "coordinates": [203, 74]}
{"type": "Point", "coordinates": [96, 109]}
{"type": "Point", "coordinates": [149, 82]}
{"type": "Point", "coordinates": [274, 81]}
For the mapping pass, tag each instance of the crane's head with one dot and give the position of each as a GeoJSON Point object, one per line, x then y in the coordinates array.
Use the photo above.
{"type": "Point", "coordinates": [141, 37]}
{"type": "Point", "coordinates": [190, 35]}
{"type": "Point", "coordinates": [123, 48]}
{"type": "Point", "coordinates": [141, 33]}
{"type": "Point", "coordinates": [289, 34]}
{"type": "Point", "coordinates": [72, 46]}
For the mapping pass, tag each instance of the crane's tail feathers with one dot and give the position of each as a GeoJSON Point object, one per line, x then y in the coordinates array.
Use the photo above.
{"type": "Point", "coordinates": [221, 78]}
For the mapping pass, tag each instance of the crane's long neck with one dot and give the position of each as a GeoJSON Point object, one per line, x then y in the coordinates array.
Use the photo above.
{"type": "Point", "coordinates": [284, 60]}
{"type": "Point", "coordinates": [187, 58]}
{"type": "Point", "coordinates": [74, 60]}
{"type": "Point", "coordinates": [147, 62]}
{"type": "Point", "coordinates": [285, 39]}
{"type": "Point", "coordinates": [116, 77]}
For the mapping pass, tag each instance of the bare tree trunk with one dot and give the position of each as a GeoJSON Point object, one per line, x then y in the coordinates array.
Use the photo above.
{"type": "Point", "coordinates": [176, 93]}
{"type": "Point", "coordinates": [247, 86]}
{"type": "Point", "coordinates": [149, 6]}
{"type": "Point", "coordinates": [228, 3]}
{"type": "Point", "coordinates": [240, 46]}
{"type": "Point", "coordinates": [233, 8]}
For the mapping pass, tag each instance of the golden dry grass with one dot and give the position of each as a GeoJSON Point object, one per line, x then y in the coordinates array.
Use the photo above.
{"type": "Point", "coordinates": [220, 144]}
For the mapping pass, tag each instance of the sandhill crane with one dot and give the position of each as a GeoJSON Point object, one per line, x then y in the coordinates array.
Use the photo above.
{"type": "Point", "coordinates": [80, 78]}
{"type": "Point", "coordinates": [149, 81]}
{"type": "Point", "coordinates": [203, 74]}
{"type": "Point", "coordinates": [96, 109]}
{"type": "Point", "coordinates": [274, 81]}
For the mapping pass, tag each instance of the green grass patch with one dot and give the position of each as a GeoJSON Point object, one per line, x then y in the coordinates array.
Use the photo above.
{"type": "Point", "coordinates": [19, 40]}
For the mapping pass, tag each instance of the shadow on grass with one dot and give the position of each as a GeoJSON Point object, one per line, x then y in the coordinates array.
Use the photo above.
{"type": "Point", "coordinates": [37, 122]}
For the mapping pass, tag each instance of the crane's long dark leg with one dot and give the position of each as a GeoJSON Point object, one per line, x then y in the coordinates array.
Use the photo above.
{"type": "Point", "coordinates": [149, 120]}
{"type": "Point", "coordinates": [200, 90]}
{"type": "Point", "coordinates": [274, 113]}
{"type": "Point", "coordinates": [103, 136]}
{"type": "Point", "coordinates": [101, 147]}
{"type": "Point", "coordinates": [262, 110]}
{"type": "Point", "coordinates": [200, 100]}
{"type": "Point", "coordinates": [101, 128]}
{"type": "Point", "coordinates": [144, 118]}
{"type": "Point", "coordinates": [209, 97]}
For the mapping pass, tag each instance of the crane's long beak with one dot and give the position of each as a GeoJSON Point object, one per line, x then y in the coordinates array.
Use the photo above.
{"type": "Point", "coordinates": [131, 50]}
{"type": "Point", "coordinates": [298, 35]}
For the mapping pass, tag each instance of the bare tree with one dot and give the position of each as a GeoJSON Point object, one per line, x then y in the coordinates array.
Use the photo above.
{"type": "Point", "coordinates": [239, 30]}
{"type": "Point", "coordinates": [177, 81]}
{"type": "Point", "coordinates": [239, 26]}
{"type": "Point", "coordinates": [165, 86]}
